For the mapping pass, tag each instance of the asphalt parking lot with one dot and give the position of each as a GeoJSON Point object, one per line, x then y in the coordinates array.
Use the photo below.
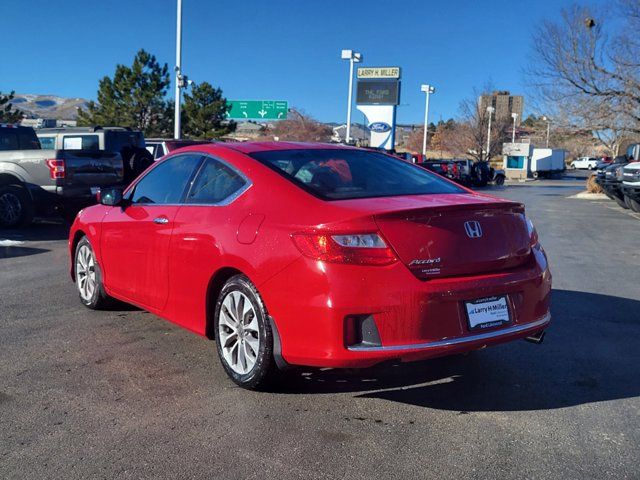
{"type": "Point", "coordinates": [123, 394]}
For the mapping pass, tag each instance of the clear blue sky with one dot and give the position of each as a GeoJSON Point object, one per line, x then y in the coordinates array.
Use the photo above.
{"type": "Point", "coordinates": [278, 49]}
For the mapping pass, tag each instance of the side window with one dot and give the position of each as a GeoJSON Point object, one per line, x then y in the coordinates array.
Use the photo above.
{"type": "Point", "coordinates": [80, 142]}
{"type": "Point", "coordinates": [8, 140]}
{"type": "Point", "coordinates": [167, 182]}
{"type": "Point", "coordinates": [159, 151]}
{"type": "Point", "coordinates": [48, 143]}
{"type": "Point", "coordinates": [214, 183]}
{"type": "Point", "coordinates": [28, 140]}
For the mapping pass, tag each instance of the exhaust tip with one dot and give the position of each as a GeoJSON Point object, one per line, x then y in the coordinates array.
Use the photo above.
{"type": "Point", "coordinates": [536, 338]}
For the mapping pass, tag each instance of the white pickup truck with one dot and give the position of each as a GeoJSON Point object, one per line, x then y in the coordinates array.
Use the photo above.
{"type": "Point", "coordinates": [584, 163]}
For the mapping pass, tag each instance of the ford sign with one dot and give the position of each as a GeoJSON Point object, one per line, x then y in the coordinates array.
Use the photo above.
{"type": "Point", "coordinates": [379, 127]}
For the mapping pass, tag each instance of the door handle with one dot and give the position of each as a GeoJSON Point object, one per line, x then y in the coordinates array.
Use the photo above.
{"type": "Point", "coordinates": [161, 220]}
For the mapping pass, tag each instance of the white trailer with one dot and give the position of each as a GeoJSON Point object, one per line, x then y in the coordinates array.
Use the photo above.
{"type": "Point", "coordinates": [546, 162]}
{"type": "Point", "coordinates": [522, 161]}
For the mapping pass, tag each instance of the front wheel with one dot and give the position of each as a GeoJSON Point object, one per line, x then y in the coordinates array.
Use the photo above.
{"type": "Point", "coordinates": [244, 339]}
{"type": "Point", "coordinates": [634, 204]}
{"type": "Point", "coordinates": [621, 202]}
{"type": "Point", "coordinates": [500, 180]}
{"type": "Point", "coordinates": [89, 277]}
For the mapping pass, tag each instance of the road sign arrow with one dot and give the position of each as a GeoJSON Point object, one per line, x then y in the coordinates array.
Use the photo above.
{"type": "Point", "coordinates": [245, 114]}
{"type": "Point", "coordinates": [280, 115]}
{"type": "Point", "coordinates": [262, 113]}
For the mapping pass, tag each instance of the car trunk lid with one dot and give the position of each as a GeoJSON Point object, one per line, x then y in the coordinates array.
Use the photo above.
{"type": "Point", "coordinates": [463, 239]}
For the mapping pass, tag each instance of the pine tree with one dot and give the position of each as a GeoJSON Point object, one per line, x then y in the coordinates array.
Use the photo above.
{"type": "Point", "coordinates": [204, 113]}
{"type": "Point", "coordinates": [134, 97]}
{"type": "Point", "coordinates": [7, 113]}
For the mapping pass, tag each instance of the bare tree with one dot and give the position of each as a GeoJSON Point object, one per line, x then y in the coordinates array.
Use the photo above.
{"type": "Point", "coordinates": [473, 129]}
{"type": "Point", "coordinates": [586, 70]}
{"type": "Point", "coordinates": [300, 127]}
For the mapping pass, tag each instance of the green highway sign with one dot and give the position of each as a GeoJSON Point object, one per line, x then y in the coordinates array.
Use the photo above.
{"type": "Point", "coordinates": [260, 109]}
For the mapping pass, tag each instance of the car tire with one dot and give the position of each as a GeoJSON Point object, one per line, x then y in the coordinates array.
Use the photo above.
{"type": "Point", "coordinates": [244, 339]}
{"type": "Point", "coordinates": [627, 202]}
{"type": "Point", "coordinates": [88, 277]}
{"type": "Point", "coordinates": [16, 206]}
{"type": "Point", "coordinates": [621, 202]}
{"type": "Point", "coordinates": [536, 175]}
{"type": "Point", "coordinates": [633, 204]}
{"type": "Point", "coordinates": [500, 180]}
{"type": "Point", "coordinates": [573, 167]}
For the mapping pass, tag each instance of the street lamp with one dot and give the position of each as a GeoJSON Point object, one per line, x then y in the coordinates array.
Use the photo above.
{"type": "Point", "coordinates": [428, 90]}
{"type": "Point", "coordinates": [490, 111]}
{"type": "Point", "coordinates": [353, 57]}
{"type": "Point", "coordinates": [548, 120]}
{"type": "Point", "coordinates": [179, 77]}
{"type": "Point", "coordinates": [513, 134]}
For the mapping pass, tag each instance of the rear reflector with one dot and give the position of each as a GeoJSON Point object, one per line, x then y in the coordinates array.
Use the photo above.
{"type": "Point", "coordinates": [355, 249]}
{"type": "Point", "coordinates": [56, 168]}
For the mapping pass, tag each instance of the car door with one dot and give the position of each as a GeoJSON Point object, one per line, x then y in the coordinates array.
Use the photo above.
{"type": "Point", "coordinates": [136, 237]}
{"type": "Point", "coordinates": [208, 223]}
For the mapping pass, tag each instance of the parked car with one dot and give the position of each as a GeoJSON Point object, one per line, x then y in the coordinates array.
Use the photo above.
{"type": "Point", "coordinates": [159, 147]}
{"type": "Point", "coordinates": [130, 144]}
{"type": "Point", "coordinates": [34, 181]}
{"type": "Point", "coordinates": [440, 167]}
{"type": "Point", "coordinates": [631, 185]}
{"type": "Point", "coordinates": [610, 179]}
{"type": "Point", "coordinates": [372, 259]}
{"type": "Point", "coordinates": [584, 163]}
{"type": "Point", "coordinates": [497, 176]}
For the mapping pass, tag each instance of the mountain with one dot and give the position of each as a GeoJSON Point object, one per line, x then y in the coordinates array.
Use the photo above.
{"type": "Point", "coordinates": [49, 106]}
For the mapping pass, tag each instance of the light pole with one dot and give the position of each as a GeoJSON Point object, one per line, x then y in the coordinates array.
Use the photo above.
{"type": "Point", "coordinates": [353, 57]}
{"type": "Point", "coordinates": [513, 134]}
{"type": "Point", "coordinates": [179, 79]}
{"type": "Point", "coordinates": [490, 111]}
{"type": "Point", "coordinates": [546, 119]}
{"type": "Point", "coordinates": [428, 90]}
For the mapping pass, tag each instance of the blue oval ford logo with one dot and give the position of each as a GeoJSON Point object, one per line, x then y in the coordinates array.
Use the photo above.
{"type": "Point", "coordinates": [379, 127]}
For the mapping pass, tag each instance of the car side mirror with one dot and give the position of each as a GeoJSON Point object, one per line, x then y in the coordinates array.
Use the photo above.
{"type": "Point", "coordinates": [110, 196]}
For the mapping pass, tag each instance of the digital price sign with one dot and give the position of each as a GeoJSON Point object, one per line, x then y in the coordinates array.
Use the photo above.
{"type": "Point", "coordinates": [378, 92]}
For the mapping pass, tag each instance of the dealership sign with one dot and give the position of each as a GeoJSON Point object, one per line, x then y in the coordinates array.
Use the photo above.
{"type": "Point", "coordinates": [378, 72]}
{"type": "Point", "coordinates": [379, 127]}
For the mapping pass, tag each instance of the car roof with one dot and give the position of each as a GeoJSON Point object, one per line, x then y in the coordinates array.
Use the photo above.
{"type": "Point", "coordinates": [253, 147]}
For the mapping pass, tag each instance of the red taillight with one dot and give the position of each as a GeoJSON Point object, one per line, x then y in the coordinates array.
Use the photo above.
{"type": "Point", "coordinates": [56, 168]}
{"type": "Point", "coordinates": [355, 249]}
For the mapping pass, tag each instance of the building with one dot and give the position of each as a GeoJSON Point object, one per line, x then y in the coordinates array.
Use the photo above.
{"type": "Point", "coordinates": [504, 103]}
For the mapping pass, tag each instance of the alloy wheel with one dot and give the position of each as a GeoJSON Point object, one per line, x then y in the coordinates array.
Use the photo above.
{"type": "Point", "coordinates": [238, 332]}
{"type": "Point", "coordinates": [10, 208]}
{"type": "Point", "coordinates": [85, 273]}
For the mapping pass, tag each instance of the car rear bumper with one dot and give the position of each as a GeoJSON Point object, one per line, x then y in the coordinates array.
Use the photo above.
{"type": "Point", "coordinates": [414, 319]}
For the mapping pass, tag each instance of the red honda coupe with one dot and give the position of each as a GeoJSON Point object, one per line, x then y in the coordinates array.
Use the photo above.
{"type": "Point", "coordinates": [312, 254]}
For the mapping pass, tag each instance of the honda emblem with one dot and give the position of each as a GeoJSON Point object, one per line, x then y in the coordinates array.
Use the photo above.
{"type": "Point", "coordinates": [473, 229]}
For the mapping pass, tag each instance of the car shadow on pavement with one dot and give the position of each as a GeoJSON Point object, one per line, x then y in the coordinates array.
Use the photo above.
{"type": "Point", "coordinates": [590, 355]}
{"type": "Point", "coordinates": [18, 251]}
{"type": "Point", "coordinates": [38, 231]}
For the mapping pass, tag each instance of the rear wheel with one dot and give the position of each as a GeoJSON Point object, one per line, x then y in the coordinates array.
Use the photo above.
{"type": "Point", "coordinates": [89, 277]}
{"type": "Point", "coordinates": [500, 180]}
{"type": "Point", "coordinates": [16, 206]}
{"type": "Point", "coordinates": [244, 339]}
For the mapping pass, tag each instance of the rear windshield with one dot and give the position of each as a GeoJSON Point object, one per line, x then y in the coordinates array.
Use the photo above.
{"type": "Point", "coordinates": [342, 174]}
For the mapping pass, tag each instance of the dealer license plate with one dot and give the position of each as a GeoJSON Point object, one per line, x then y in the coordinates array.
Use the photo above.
{"type": "Point", "coordinates": [487, 312]}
